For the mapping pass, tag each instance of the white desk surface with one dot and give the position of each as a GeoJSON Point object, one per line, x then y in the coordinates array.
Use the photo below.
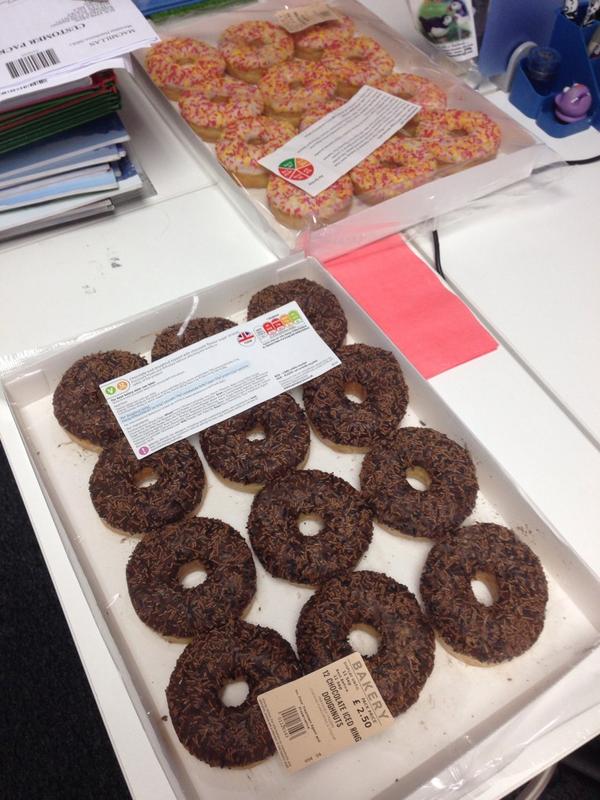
{"type": "Point", "coordinates": [538, 294]}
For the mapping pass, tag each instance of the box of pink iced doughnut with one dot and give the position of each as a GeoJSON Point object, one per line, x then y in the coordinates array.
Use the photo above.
{"type": "Point", "coordinates": [324, 126]}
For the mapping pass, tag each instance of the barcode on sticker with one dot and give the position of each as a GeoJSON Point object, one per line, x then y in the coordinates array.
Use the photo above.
{"type": "Point", "coordinates": [292, 722]}
{"type": "Point", "coordinates": [33, 62]}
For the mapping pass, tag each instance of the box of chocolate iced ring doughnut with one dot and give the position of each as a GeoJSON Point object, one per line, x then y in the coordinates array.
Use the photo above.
{"type": "Point", "coordinates": [369, 135]}
{"type": "Point", "coordinates": [353, 513]}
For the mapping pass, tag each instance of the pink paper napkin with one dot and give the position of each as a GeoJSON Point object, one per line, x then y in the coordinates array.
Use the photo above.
{"type": "Point", "coordinates": [432, 327]}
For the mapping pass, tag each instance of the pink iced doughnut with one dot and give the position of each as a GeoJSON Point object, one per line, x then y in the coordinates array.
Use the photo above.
{"type": "Point", "coordinates": [221, 101]}
{"type": "Point", "coordinates": [314, 112]}
{"type": "Point", "coordinates": [356, 62]}
{"type": "Point", "coordinates": [183, 63]}
{"type": "Point", "coordinates": [250, 48]}
{"type": "Point", "coordinates": [289, 88]}
{"type": "Point", "coordinates": [296, 209]}
{"type": "Point", "coordinates": [312, 42]}
{"type": "Point", "coordinates": [244, 142]}
{"type": "Point", "coordinates": [396, 167]}
{"type": "Point", "coordinates": [458, 138]}
{"type": "Point", "coordinates": [414, 88]}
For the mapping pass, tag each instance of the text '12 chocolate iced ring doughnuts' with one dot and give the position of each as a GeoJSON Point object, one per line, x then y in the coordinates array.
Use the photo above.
{"type": "Point", "coordinates": [220, 735]}
{"type": "Point", "coordinates": [444, 470]}
{"type": "Point", "coordinates": [321, 306]}
{"type": "Point", "coordinates": [171, 339]}
{"type": "Point", "coordinates": [154, 577]}
{"type": "Point", "coordinates": [78, 403]}
{"type": "Point", "coordinates": [260, 444]}
{"type": "Point", "coordinates": [515, 580]}
{"type": "Point", "coordinates": [125, 503]}
{"type": "Point", "coordinates": [280, 508]}
{"type": "Point", "coordinates": [404, 658]}
{"type": "Point", "coordinates": [375, 378]}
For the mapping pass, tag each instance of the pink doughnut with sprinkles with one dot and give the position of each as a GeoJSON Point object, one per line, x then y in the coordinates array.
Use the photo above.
{"type": "Point", "coordinates": [289, 88]}
{"type": "Point", "coordinates": [244, 142]}
{"type": "Point", "coordinates": [312, 42]}
{"type": "Point", "coordinates": [458, 139]}
{"type": "Point", "coordinates": [210, 108]}
{"type": "Point", "coordinates": [296, 209]}
{"type": "Point", "coordinates": [396, 167]}
{"type": "Point", "coordinates": [355, 62]}
{"type": "Point", "coordinates": [414, 88]}
{"type": "Point", "coordinates": [182, 63]}
{"type": "Point", "coordinates": [314, 112]}
{"type": "Point", "coordinates": [250, 48]}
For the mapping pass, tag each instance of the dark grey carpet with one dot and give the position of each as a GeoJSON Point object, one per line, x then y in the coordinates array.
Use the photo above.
{"type": "Point", "coordinates": [53, 741]}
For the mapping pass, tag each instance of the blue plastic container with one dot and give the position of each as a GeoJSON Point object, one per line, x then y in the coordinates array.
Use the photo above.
{"type": "Point", "coordinates": [571, 41]}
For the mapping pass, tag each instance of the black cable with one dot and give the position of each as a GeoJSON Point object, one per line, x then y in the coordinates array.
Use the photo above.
{"type": "Point", "coordinates": [581, 161]}
{"type": "Point", "coordinates": [437, 255]}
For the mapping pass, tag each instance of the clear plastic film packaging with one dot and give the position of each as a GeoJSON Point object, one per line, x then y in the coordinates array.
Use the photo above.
{"type": "Point", "coordinates": [468, 722]}
{"type": "Point", "coordinates": [360, 222]}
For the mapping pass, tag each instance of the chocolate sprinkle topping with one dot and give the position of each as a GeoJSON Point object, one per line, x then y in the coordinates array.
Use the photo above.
{"type": "Point", "coordinates": [168, 341]}
{"type": "Point", "coordinates": [320, 305]}
{"type": "Point", "coordinates": [139, 509]}
{"type": "Point", "coordinates": [276, 538]}
{"type": "Point", "coordinates": [79, 405]}
{"type": "Point", "coordinates": [344, 422]}
{"type": "Point", "coordinates": [287, 438]}
{"type": "Point", "coordinates": [439, 509]}
{"type": "Point", "coordinates": [494, 633]}
{"type": "Point", "coordinates": [223, 736]}
{"type": "Point", "coordinates": [404, 659]}
{"type": "Point", "coordinates": [162, 601]}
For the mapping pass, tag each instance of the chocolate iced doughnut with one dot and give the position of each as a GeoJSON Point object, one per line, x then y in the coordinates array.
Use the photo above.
{"type": "Point", "coordinates": [162, 601]}
{"type": "Point", "coordinates": [276, 538]}
{"type": "Point", "coordinates": [78, 403]}
{"type": "Point", "coordinates": [168, 341]}
{"type": "Point", "coordinates": [404, 658]}
{"type": "Point", "coordinates": [127, 506]}
{"type": "Point", "coordinates": [254, 462]}
{"type": "Point", "coordinates": [515, 578]}
{"type": "Point", "coordinates": [442, 465]}
{"type": "Point", "coordinates": [225, 736]}
{"type": "Point", "coordinates": [365, 370]}
{"type": "Point", "coordinates": [320, 305]}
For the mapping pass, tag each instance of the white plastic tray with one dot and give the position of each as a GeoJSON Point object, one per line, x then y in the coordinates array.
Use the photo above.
{"type": "Point", "coordinates": [519, 153]}
{"type": "Point", "coordinates": [460, 704]}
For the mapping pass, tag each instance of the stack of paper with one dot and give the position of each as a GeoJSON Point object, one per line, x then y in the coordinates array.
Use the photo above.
{"type": "Point", "coordinates": [50, 43]}
{"type": "Point", "coordinates": [65, 177]}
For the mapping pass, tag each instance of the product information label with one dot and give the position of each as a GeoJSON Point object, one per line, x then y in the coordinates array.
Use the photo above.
{"type": "Point", "coordinates": [321, 154]}
{"type": "Point", "coordinates": [217, 378]}
{"type": "Point", "coordinates": [448, 24]}
{"type": "Point", "coordinates": [324, 712]}
{"type": "Point", "coordinates": [297, 19]}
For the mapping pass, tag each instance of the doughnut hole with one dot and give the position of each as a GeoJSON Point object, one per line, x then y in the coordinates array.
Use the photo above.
{"type": "Point", "coordinates": [310, 524]}
{"type": "Point", "coordinates": [355, 392]}
{"type": "Point", "coordinates": [364, 639]}
{"type": "Point", "coordinates": [184, 61]}
{"type": "Point", "coordinates": [256, 434]}
{"type": "Point", "coordinates": [145, 478]}
{"type": "Point", "coordinates": [293, 85]}
{"type": "Point", "coordinates": [234, 692]}
{"type": "Point", "coordinates": [418, 478]}
{"type": "Point", "coordinates": [192, 574]}
{"type": "Point", "coordinates": [256, 139]}
{"type": "Point", "coordinates": [485, 588]}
